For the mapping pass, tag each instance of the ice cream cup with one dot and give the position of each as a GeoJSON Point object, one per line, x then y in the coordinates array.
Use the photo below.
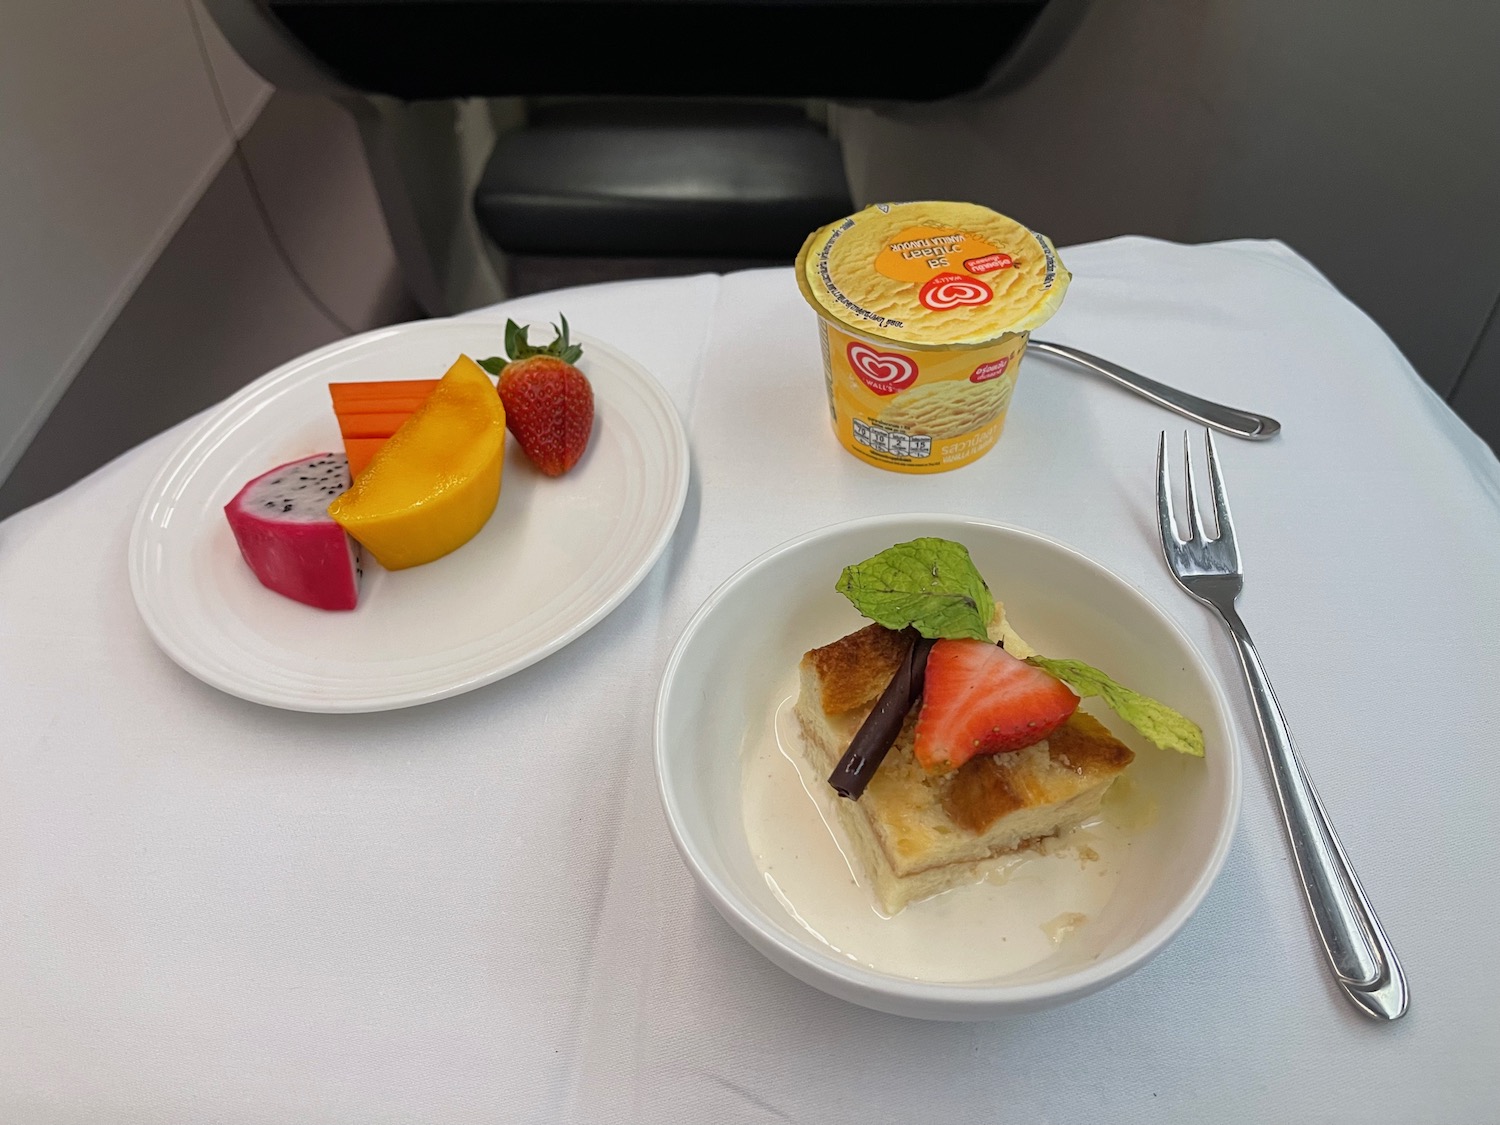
{"type": "Point", "coordinates": [924, 312]}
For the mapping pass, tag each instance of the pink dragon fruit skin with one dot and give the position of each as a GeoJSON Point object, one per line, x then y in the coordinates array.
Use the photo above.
{"type": "Point", "coordinates": [280, 521]}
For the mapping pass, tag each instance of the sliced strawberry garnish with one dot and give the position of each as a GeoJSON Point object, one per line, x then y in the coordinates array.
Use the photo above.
{"type": "Point", "coordinates": [979, 699]}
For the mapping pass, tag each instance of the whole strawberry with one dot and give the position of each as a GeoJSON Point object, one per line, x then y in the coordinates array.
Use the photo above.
{"type": "Point", "coordinates": [549, 405]}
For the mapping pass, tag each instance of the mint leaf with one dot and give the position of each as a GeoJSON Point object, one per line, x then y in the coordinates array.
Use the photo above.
{"type": "Point", "coordinates": [1165, 727]}
{"type": "Point", "coordinates": [930, 584]}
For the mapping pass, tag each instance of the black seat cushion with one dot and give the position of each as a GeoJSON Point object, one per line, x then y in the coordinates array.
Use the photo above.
{"type": "Point", "coordinates": [751, 189]}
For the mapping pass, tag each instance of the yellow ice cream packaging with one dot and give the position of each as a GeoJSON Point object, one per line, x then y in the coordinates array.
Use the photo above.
{"type": "Point", "coordinates": [924, 312]}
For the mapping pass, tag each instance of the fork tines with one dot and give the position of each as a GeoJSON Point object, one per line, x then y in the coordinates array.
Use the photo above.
{"type": "Point", "coordinates": [1223, 523]}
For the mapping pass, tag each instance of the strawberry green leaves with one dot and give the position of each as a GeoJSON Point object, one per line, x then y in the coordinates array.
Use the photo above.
{"type": "Point", "coordinates": [929, 584]}
{"type": "Point", "coordinates": [518, 346]}
{"type": "Point", "coordinates": [1156, 721]}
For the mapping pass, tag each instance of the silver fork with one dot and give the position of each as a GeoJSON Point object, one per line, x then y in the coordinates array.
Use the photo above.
{"type": "Point", "coordinates": [1364, 964]}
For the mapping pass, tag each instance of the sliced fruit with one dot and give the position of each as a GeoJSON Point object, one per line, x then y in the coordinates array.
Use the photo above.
{"type": "Point", "coordinates": [280, 521]}
{"type": "Point", "coordinates": [372, 425]}
{"type": "Point", "coordinates": [434, 483]}
{"type": "Point", "coordinates": [361, 451]}
{"type": "Point", "coordinates": [549, 404]}
{"type": "Point", "coordinates": [978, 699]}
{"type": "Point", "coordinates": [375, 411]}
{"type": "Point", "coordinates": [405, 403]}
{"type": "Point", "coordinates": [351, 397]}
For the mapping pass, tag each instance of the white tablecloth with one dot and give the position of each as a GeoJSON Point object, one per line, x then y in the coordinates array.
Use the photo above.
{"type": "Point", "coordinates": [214, 911]}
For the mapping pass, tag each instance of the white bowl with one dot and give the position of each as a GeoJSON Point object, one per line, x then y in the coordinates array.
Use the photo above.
{"type": "Point", "coordinates": [738, 655]}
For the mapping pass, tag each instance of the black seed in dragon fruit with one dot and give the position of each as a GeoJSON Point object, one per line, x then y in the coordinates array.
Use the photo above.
{"type": "Point", "coordinates": [280, 521]}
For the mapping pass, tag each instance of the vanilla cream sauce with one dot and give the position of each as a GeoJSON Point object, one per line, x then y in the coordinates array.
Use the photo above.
{"type": "Point", "coordinates": [1027, 906]}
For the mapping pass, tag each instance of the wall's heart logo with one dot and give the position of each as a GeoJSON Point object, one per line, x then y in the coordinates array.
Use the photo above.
{"type": "Point", "coordinates": [950, 290]}
{"type": "Point", "coordinates": [885, 373]}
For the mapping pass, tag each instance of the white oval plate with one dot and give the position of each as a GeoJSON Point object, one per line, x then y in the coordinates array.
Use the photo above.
{"type": "Point", "coordinates": [556, 557]}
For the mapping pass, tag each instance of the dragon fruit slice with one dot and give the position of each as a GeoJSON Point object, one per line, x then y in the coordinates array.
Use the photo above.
{"type": "Point", "coordinates": [280, 520]}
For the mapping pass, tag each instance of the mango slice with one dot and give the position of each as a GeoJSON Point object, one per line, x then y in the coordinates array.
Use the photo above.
{"type": "Point", "coordinates": [434, 483]}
